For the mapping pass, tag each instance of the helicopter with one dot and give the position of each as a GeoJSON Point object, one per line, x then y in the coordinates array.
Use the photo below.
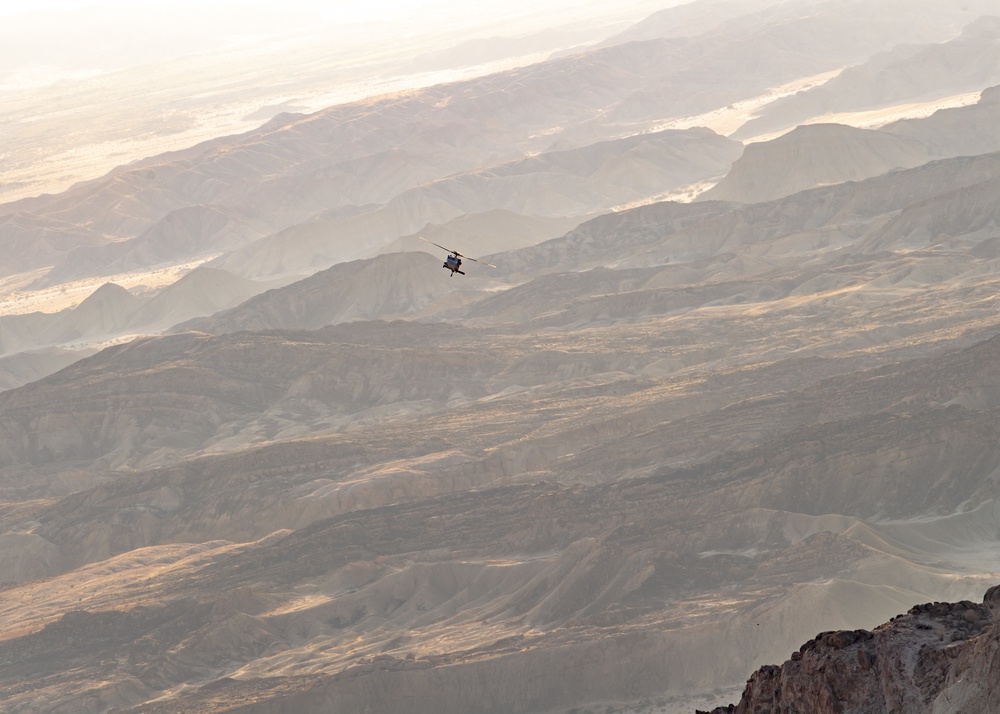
{"type": "Point", "coordinates": [454, 261]}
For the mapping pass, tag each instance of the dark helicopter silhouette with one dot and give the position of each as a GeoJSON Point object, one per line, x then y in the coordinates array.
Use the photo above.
{"type": "Point", "coordinates": [454, 261]}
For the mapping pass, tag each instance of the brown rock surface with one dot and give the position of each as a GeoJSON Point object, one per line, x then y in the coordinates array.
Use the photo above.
{"type": "Point", "coordinates": [939, 657]}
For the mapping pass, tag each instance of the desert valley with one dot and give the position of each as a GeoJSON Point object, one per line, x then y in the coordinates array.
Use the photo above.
{"type": "Point", "coordinates": [721, 378]}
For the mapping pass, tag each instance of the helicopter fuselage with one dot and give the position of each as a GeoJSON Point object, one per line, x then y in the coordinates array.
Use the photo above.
{"type": "Point", "coordinates": [453, 263]}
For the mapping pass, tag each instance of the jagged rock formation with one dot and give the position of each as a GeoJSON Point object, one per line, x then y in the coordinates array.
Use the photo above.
{"type": "Point", "coordinates": [940, 658]}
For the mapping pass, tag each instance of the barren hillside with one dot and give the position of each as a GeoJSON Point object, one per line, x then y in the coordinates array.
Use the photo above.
{"type": "Point", "coordinates": [267, 455]}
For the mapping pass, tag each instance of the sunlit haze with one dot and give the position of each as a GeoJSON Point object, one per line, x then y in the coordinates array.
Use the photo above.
{"type": "Point", "coordinates": [86, 86]}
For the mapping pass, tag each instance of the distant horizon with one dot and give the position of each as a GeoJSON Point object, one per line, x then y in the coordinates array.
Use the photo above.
{"type": "Point", "coordinates": [198, 23]}
{"type": "Point", "coordinates": [89, 85]}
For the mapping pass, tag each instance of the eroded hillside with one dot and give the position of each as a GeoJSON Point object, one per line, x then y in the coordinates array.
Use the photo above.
{"type": "Point", "coordinates": [657, 446]}
{"type": "Point", "coordinates": [600, 478]}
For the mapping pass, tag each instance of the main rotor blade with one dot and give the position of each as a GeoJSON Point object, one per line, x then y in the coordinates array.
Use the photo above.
{"type": "Point", "coordinates": [455, 252]}
{"type": "Point", "coordinates": [438, 245]}
{"type": "Point", "coordinates": [479, 261]}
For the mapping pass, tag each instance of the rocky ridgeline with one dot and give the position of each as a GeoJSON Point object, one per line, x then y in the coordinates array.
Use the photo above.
{"type": "Point", "coordinates": [938, 658]}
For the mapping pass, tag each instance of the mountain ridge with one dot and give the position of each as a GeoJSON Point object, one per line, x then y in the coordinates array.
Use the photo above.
{"type": "Point", "coordinates": [661, 444]}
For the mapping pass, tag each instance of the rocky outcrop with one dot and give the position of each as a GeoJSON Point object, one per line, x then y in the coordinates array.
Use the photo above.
{"type": "Point", "coordinates": [938, 658]}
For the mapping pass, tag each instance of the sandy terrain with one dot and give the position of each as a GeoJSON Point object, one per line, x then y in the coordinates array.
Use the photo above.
{"type": "Point", "coordinates": [886, 115]}
{"type": "Point", "coordinates": [729, 119]}
{"type": "Point", "coordinates": [726, 120]}
{"type": "Point", "coordinates": [16, 300]}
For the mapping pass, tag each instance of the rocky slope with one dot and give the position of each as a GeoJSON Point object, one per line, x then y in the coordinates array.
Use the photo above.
{"type": "Point", "coordinates": [939, 657]}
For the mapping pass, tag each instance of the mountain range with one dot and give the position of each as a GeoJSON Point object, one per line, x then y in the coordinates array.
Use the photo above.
{"type": "Point", "coordinates": [700, 397]}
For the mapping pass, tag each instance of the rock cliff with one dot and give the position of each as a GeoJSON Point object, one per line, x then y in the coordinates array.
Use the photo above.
{"type": "Point", "coordinates": [938, 658]}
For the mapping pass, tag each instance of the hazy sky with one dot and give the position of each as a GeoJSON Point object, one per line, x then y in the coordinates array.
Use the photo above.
{"type": "Point", "coordinates": [108, 35]}
{"type": "Point", "coordinates": [368, 9]}
{"type": "Point", "coordinates": [63, 32]}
